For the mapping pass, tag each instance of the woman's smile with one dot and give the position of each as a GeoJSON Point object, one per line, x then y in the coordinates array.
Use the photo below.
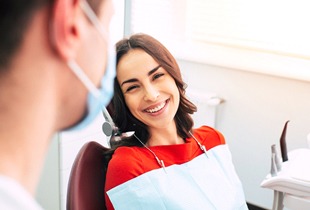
{"type": "Point", "coordinates": [158, 108]}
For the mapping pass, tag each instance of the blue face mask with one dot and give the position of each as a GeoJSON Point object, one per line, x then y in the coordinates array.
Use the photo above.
{"type": "Point", "coordinates": [97, 99]}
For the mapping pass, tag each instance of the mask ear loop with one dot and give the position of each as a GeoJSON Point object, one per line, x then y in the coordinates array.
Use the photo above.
{"type": "Point", "coordinates": [93, 17]}
{"type": "Point", "coordinates": [84, 78]}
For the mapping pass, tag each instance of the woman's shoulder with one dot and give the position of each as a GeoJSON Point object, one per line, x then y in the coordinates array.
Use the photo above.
{"type": "Point", "coordinates": [125, 156]}
{"type": "Point", "coordinates": [124, 165]}
{"type": "Point", "coordinates": [209, 136]}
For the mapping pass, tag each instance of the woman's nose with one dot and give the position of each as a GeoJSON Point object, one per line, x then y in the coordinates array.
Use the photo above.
{"type": "Point", "coordinates": [151, 93]}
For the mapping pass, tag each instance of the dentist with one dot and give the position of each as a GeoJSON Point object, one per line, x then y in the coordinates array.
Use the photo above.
{"type": "Point", "coordinates": [56, 73]}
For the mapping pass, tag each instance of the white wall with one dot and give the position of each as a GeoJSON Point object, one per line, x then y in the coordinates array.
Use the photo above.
{"type": "Point", "coordinates": [252, 118]}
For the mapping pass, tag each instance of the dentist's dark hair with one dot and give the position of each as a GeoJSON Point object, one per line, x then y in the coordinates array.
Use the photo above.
{"type": "Point", "coordinates": [121, 115]}
{"type": "Point", "coordinates": [15, 18]}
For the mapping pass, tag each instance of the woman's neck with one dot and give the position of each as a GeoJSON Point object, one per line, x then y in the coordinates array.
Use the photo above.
{"type": "Point", "coordinates": [164, 136]}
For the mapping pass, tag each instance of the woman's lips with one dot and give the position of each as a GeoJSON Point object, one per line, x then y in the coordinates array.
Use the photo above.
{"type": "Point", "coordinates": [157, 108]}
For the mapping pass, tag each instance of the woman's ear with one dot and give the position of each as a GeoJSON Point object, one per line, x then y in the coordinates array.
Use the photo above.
{"type": "Point", "coordinates": [65, 27]}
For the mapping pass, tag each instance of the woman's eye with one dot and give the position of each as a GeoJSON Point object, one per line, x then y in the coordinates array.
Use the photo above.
{"type": "Point", "coordinates": [156, 76]}
{"type": "Point", "coordinates": [131, 88]}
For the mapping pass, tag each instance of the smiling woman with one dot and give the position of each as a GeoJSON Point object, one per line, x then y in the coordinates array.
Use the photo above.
{"type": "Point", "coordinates": [165, 164]}
{"type": "Point", "coordinates": [150, 93]}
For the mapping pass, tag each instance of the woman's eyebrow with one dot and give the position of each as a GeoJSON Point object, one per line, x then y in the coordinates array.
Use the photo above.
{"type": "Point", "coordinates": [136, 80]}
{"type": "Point", "coordinates": [153, 70]}
{"type": "Point", "coordinates": [129, 81]}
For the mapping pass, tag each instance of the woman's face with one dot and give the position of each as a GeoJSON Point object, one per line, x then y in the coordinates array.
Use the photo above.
{"type": "Point", "coordinates": [150, 92]}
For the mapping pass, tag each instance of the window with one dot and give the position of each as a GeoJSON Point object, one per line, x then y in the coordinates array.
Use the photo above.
{"type": "Point", "coordinates": [266, 36]}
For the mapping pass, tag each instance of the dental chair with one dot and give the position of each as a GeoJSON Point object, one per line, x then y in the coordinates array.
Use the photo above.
{"type": "Point", "coordinates": [87, 178]}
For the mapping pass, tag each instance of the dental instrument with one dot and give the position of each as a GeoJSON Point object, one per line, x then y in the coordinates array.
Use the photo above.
{"type": "Point", "coordinates": [283, 143]}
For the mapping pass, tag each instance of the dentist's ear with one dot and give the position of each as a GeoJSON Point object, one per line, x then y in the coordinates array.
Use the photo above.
{"type": "Point", "coordinates": [65, 27]}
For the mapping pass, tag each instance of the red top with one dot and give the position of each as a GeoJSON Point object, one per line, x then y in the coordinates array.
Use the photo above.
{"type": "Point", "coordinates": [130, 162]}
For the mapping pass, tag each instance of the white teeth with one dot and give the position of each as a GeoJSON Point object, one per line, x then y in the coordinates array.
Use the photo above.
{"type": "Point", "coordinates": [156, 109]}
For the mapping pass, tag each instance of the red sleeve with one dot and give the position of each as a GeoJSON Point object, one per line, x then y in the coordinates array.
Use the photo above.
{"type": "Point", "coordinates": [122, 167]}
{"type": "Point", "coordinates": [209, 137]}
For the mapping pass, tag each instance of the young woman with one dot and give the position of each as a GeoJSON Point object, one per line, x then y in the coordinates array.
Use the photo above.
{"type": "Point", "coordinates": [165, 164]}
